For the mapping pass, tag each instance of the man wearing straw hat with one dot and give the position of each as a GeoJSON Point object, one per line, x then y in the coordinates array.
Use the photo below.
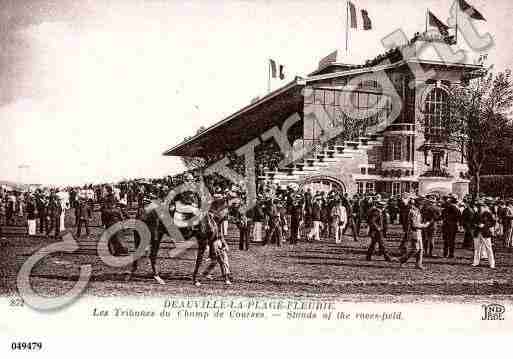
{"type": "Point", "coordinates": [339, 219]}
{"type": "Point", "coordinates": [415, 226]}
{"type": "Point", "coordinates": [483, 238]}
{"type": "Point", "coordinates": [377, 223]}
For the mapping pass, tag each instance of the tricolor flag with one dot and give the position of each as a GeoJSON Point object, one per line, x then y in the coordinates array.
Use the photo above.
{"type": "Point", "coordinates": [352, 17]}
{"type": "Point", "coordinates": [435, 22]}
{"type": "Point", "coordinates": [470, 10]}
{"type": "Point", "coordinates": [274, 70]}
{"type": "Point", "coordinates": [367, 23]}
{"type": "Point", "coordinates": [331, 58]}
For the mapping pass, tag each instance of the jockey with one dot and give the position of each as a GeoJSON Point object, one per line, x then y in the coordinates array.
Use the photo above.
{"type": "Point", "coordinates": [187, 204]}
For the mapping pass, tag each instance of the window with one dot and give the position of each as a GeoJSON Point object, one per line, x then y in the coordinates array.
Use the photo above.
{"type": "Point", "coordinates": [408, 148]}
{"type": "Point", "coordinates": [330, 97]}
{"type": "Point", "coordinates": [369, 187]}
{"type": "Point", "coordinates": [436, 109]}
{"type": "Point", "coordinates": [363, 170]}
{"type": "Point", "coordinates": [397, 149]}
{"type": "Point", "coordinates": [393, 149]}
{"type": "Point", "coordinates": [373, 100]}
{"type": "Point", "coordinates": [360, 187]}
{"type": "Point", "coordinates": [396, 188]}
{"type": "Point", "coordinates": [354, 110]}
{"type": "Point", "coordinates": [363, 100]}
{"type": "Point", "coordinates": [319, 97]}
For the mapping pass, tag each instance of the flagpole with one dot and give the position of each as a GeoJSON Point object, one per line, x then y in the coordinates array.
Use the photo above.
{"type": "Point", "coordinates": [347, 23]}
{"type": "Point", "coordinates": [268, 75]}
{"type": "Point", "coordinates": [456, 35]}
{"type": "Point", "coordinates": [427, 10]}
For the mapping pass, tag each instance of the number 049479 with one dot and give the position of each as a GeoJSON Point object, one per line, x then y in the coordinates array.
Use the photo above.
{"type": "Point", "coordinates": [26, 346]}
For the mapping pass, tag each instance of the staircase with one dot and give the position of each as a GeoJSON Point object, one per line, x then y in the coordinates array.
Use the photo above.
{"type": "Point", "coordinates": [323, 160]}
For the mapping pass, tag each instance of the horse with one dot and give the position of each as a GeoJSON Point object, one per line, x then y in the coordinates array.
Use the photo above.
{"type": "Point", "coordinates": [206, 231]}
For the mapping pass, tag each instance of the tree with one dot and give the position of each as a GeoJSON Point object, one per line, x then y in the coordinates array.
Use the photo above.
{"type": "Point", "coordinates": [478, 113]}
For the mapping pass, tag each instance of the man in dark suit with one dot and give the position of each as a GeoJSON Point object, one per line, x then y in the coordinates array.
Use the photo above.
{"type": "Point", "coordinates": [430, 213]}
{"type": "Point", "coordinates": [377, 223]}
{"type": "Point", "coordinates": [296, 217]}
{"type": "Point", "coordinates": [308, 208]}
{"type": "Point", "coordinates": [2, 213]}
{"type": "Point", "coordinates": [41, 212]}
{"type": "Point", "coordinates": [54, 215]}
{"type": "Point", "coordinates": [468, 220]}
{"type": "Point", "coordinates": [112, 214]}
{"type": "Point", "coordinates": [404, 211]}
{"type": "Point", "coordinates": [451, 218]}
{"type": "Point", "coordinates": [350, 217]}
{"type": "Point", "coordinates": [276, 222]}
{"type": "Point", "coordinates": [84, 214]}
{"type": "Point", "coordinates": [316, 219]}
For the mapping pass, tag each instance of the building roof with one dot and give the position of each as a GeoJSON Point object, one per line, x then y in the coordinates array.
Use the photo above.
{"type": "Point", "coordinates": [247, 123]}
{"type": "Point", "coordinates": [242, 126]}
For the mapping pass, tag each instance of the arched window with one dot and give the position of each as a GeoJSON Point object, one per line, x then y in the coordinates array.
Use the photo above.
{"type": "Point", "coordinates": [436, 110]}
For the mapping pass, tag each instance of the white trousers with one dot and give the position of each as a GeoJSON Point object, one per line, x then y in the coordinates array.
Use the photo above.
{"type": "Point", "coordinates": [315, 232]}
{"type": "Point", "coordinates": [481, 243]}
{"type": "Point", "coordinates": [339, 230]}
{"type": "Point", "coordinates": [31, 227]}
{"type": "Point", "coordinates": [62, 229]}
{"type": "Point", "coordinates": [257, 231]}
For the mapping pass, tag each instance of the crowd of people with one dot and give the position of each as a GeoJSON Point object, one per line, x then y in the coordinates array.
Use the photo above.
{"type": "Point", "coordinates": [327, 216]}
{"type": "Point", "coordinates": [288, 214]}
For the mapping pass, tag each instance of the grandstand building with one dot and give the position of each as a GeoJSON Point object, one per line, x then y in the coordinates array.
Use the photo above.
{"type": "Point", "coordinates": [377, 127]}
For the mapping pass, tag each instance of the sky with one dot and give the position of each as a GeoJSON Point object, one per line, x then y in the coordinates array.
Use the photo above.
{"type": "Point", "coordinates": [95, 91]}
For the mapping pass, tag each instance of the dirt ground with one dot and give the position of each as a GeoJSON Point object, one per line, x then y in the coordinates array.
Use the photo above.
{"type": "Point", "coordinates": [309, 269]}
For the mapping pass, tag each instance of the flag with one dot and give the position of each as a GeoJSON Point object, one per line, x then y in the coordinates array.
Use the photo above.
{"type": "Point", "coordinates": [434, 21]}
{"type": "Point", "coordinates": [352, 14]}
{"type": "Point", "coordinates": [328, 59]}
{"type": "Point", "coordinates": [353, 23]}
{"type": "Point", "coordinates": [367, 23]}
{"type": "Point", "coordinates": [273, 68]}
{"type": "Point", "coordinates": [470, 10]}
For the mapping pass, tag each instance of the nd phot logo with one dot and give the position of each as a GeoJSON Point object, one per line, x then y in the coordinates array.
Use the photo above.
{"type": "Point", "coordinates": [493, 312]}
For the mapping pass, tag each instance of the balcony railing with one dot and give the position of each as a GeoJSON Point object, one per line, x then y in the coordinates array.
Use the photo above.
{"type": "Point", "coordinates": [401, 127]}
{"type": "Point", "coordinates": [436, 173]}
